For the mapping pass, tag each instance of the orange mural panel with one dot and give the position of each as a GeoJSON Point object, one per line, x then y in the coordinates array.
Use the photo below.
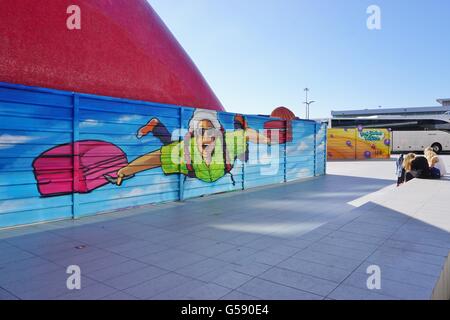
{"type": "Point", "coordinates": [358, 144]}
{"type": "Point", "coordinates": [373, 144]}
{"type": "Point", "coordinates": [341, 144]}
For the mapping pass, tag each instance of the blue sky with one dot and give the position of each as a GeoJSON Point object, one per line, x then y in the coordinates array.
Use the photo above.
{"type": "Point", "coordinates": [257, 55]}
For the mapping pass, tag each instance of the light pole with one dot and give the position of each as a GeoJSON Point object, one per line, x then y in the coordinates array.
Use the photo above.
{"type": "Point", "coordinates": [307, 103]}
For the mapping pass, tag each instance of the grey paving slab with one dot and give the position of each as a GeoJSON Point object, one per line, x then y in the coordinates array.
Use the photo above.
{"type": "Point", "coordinates": [95, 291]}
{"type": "Point", "coordinates": [181, 239]}
{"type": "Point", "coordinates": [357, 237]}
{"type": "Point", "coordinates": [417, 238]}
{"type": "Point", "coordinates": [119, 295]}
{"type": "Point", "coordinates": [22, 265]}
{"type": "Point", "coordinates": [36, 240]}
{"type": "Point", "coordinates": [350, 253]}
{"type": "Point", "coordinates": [208, 291]}
{"type": "Point", "coordinates": [153, 287]}
{"type": "Point", "coordinates": [231, 279]}
{"type": "Point", "coordinates": [348, 244]}
{"type": "Point", "coordinates": [172, 259]}
{"type": "Point", "coordinates": [46, 286]}
{"type": "Point", "coordinates": [315, 269]}
{"type": "Point", "coordinates": [105, 262]}
{"type": "Point", "coordinates": [403, 276]}
{"type": "Point", "coordinates": [299, 281]}
{"type": "Point", "coordinates": [75, 254]}
{"type": "Point", "coordinates": [315, 235]}
{"type": "Point", "coordinates": [156, 236]}
{"type": "Point", "coordinates": [125, 245]}
{"type": "Point", "coordinates": [215, 249]}
{"type": "Point", "coordinates": [299, 243]}
{"type": "Point", "coordinates": [89, 235]}
{"type": "Point", "coordinates": [236, 295]}
{"type": "Point", "coordinates": [146, 250]}
{"type": "Point", "coordinates": [345, 292]}
{"type": "Point", "coordinates": [268, 258]}
{"type": "Point", "coordinates": [91, 261]}
{"type": "Point", "coordinates": [367, 229]}
{"type": "Point", "coordinates": [327, 259]}
{"type": "Point", "coordinates": [377, 218]}
{"type": "Point", "coordinates": [54, 247]}
{"type": "Point", "coordinates": [414, 247]}
{"type": "Point", "coordinates": [136, 277]}
{"type": "Point", "coordinates": [5, 295]}
{"type": "Point", "coordinates": [197, 245]}
{"type": "Point", "coordinates": [411, 255]}
{"type": "Point", "coordinates": [115, 270]}
{"type": "Point", "coordinates": [268, 290]}
{"type": "Point", "coordinates": [236, 254]}
{"type": "Point", "coordinates": [244, 239]}
{"type": "Point", "coordinates": [307, 240]}
{"type": "Point", "coordinates": [402, 263]}
{"type": "Point", "coordinates": [181, 292]}
{"type": "Point", "coordinates": [390, 287]}
{"type": "Point", "coordinates": [283, 249]}
{"type": "Point", "coordinates": [215, 234]}
{"type": "Point", "coordinates": [199, 269]}
{"type": "Point", "coordinates": [264, 242]}
{"type": "Point", "coordinates": [13, 254]}
{"type": "Point", "coordinates": [19, 272]}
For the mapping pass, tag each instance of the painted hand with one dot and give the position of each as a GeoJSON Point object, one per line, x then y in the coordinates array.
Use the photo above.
{"type": "Point", "coordinates": [120, 177]}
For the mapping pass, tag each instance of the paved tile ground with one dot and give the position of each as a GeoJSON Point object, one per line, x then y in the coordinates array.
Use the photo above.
{"type": "Point", "coordinates": [305, 240]}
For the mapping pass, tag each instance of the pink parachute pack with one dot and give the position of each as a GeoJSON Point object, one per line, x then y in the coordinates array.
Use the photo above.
{"type": "Point", "coordinates": [78, 167]}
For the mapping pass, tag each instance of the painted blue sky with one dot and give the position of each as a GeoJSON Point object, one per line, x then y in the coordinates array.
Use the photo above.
{"type": "Point", "coordinates": [257, 55]}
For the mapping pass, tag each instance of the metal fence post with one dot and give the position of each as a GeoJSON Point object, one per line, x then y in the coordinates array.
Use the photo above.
{"type": "Point", "coordinates": [315, 149]}
{"type": "Point", "coordinates": [244, 140]}
{"type": "Point", "coordinates": [75, 155]}
{"type": "Point", "coordinates": [325, 148]}
{"type": "Point", "coordinates": [180, 175]}
{"type": "Point", "coordinates": [285, 150]}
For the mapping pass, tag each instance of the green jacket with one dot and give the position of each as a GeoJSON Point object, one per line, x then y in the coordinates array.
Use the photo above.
{"type": "Point", "coordinates": [173, 158]}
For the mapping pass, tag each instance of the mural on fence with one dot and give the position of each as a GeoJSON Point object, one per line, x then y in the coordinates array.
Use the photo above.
{"type": "Point", "coordinates": [358, 144]}
{"type": "Point", "coordinates": [65, 155]}
{"type": "Point", "coordinates": [207, 152]}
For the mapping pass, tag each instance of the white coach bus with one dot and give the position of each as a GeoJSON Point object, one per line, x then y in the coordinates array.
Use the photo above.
{"type": "Point", "coordinates": [409, 133]}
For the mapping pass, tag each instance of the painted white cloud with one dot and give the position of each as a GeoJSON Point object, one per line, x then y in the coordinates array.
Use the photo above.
{"type": "Point", "coordinates": [302, 146]}
{"type": "Point", "coordinates": [137, 192]}
{"type": "Point", "coordinates": [89, 123]}
{"type": "Point", "coordinates": [152, 181]}
{"type": "Point", "coordinates": [8, 141]}
{"type": "Point", "coordinates": [128, 118]}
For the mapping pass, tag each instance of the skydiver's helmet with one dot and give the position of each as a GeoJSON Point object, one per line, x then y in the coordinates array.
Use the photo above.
{"type": "Point", "coordinates": [201, 115]}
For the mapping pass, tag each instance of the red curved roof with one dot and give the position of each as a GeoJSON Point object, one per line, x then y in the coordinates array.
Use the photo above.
{"type": "Point", "coordinates": [283, 113]}
{"type": "Point", "coordinates": [123, 50]}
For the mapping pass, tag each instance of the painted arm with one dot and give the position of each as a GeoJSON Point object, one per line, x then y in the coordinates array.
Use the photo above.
{"type": "Point", "coordinates": [146, 162]}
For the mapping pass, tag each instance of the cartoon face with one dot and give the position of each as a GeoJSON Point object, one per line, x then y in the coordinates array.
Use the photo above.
{"type": "Point", "coordinates": [206, 136]}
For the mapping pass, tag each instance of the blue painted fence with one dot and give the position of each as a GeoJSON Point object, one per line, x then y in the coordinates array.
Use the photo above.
{"type": "Point", "coordinates": [35, 121]}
